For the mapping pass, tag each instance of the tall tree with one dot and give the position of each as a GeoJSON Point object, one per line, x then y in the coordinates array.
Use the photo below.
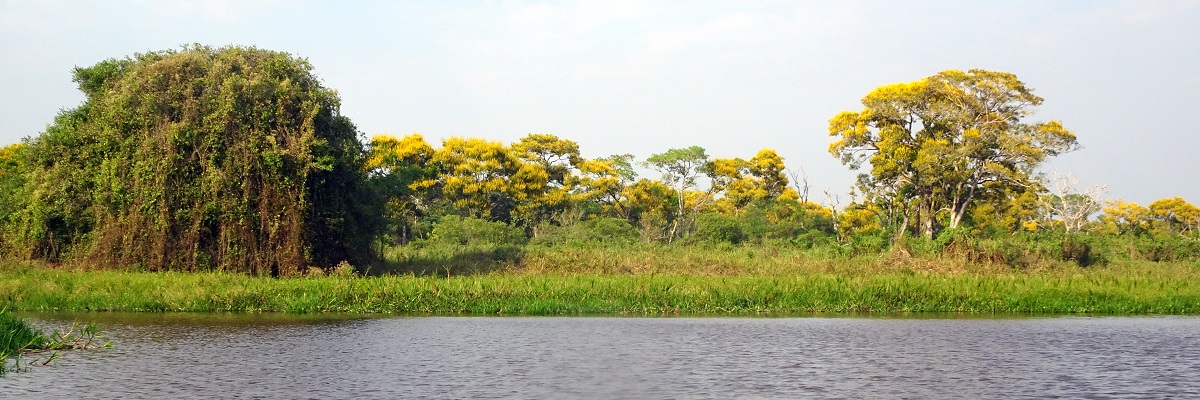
{"type": "Point", "coordinates": [558, 158]}
{"type": "Point", "coordinates": [939, 143]}
{"type": "Point", "coordinates": [400, 172]}
{"type": "Point", "coordinates": [1068, 205]}
{"type": "Point", "coordinates": [679, 169]}
{"type": "Point", "coordinates": [743, 182]}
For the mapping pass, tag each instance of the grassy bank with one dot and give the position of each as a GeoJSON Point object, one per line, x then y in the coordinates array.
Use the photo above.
{"type": "Point", "coordinates": [533, 287]}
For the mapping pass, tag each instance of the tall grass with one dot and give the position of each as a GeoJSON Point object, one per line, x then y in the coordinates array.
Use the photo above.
{"type": "Point", "coordinates": [719, 284]}
{"type": "Point", "coordinates": [18, 338]}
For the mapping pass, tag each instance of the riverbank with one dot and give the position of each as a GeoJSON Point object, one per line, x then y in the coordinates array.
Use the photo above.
{"type": "Point", "coordinates": [1118, 288]}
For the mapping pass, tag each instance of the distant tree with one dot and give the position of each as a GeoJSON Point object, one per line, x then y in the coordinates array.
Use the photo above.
{"type": "Point", "coordinates": [558, 158]}
{"type": "Point", "coordinates": [1125, 217]}
{"type": "Point", "coordinates": [1176, 215]}
{"type": "Point", "coordinates": [743, 182]}
{"type": "Point", "coordinates": [484, 179]}
{"type": "Point", "coordinates": [601, 183]}
{"type": "Point", "coordinates": [679, 169]}
{"type": "Point", "coordinates": [401, 172]}
{"type": "Point", "coordinates": [767, 167]}
{"type": "Point", "coordinates": [652, 207]}
{"type": "Point", "coordinates": [1069, 206]}
{"type": "Point", "coordinates": [940, 143]}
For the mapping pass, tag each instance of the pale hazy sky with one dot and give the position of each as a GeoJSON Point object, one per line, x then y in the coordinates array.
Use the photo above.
{"type": "Point", "coordinates": [641, 76]}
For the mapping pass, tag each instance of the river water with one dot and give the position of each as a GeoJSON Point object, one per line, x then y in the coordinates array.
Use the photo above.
{"type": "Point", "coordinates": [185, 356]}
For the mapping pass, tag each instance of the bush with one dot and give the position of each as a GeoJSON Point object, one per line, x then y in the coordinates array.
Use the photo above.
{"type": "Point", "coordinates": [718, 228]}
{"type": "Point", "coordinates": [455, 230]}
{"type": "Point", "coordinates": [606, 230]}
{"type": "Point", "coordinates": [1077, 249]}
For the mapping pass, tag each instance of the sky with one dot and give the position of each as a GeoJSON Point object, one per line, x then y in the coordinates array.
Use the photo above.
{"type": "Point", "coordinates": [642, 77]}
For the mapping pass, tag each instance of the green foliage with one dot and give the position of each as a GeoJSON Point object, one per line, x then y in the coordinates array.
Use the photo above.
{"type": "Point", "coordinates": [458, 246]}
{"type": "Point", "coordinates": [232, 158]}
{"type": "Point", "coordinates": [719, 228]}
{"type": "Point", "coordinates": [455, 230]}
{"type": "Point", "coordinates": [602, 230]}
{"type": "Point", "coordinates": [12, 178]}
{"type": "Point", "coordinates": [1123, 288]}
{"type": "Point", "coordinates": [16, 336]}
{"type": "Point", "coordinates": [1022, 249]}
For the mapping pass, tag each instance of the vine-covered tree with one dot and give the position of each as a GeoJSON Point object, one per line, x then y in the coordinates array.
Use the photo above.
{"type": "Point", "coordinates": [940, 143]}
{"type": "Point", "coordinates": [12, 177]}
{"type": "Point", "coordinates": [229, 158]}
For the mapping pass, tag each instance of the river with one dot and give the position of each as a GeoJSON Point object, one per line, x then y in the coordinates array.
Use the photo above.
{"type": "Point", "coordinates": [187, 356]}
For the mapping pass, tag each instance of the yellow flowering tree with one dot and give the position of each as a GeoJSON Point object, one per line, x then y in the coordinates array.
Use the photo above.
{"type": "Point", "coordinates": [943, 142]}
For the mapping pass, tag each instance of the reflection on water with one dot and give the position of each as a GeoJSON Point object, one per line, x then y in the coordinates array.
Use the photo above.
{"type": "Point", "coordinates": [323, 356]}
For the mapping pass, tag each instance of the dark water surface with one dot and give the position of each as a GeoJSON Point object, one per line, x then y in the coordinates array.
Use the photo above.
{"type": "Point", "coordinates": [183, 356]}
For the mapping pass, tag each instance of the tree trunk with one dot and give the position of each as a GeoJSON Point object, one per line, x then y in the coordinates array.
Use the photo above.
{"type": "Point", "coordinates": [903, 230]}
{"type": "Point", "coordinates": [961, 206]}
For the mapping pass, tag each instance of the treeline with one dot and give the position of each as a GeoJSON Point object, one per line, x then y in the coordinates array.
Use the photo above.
{"type": "Point", "coordinates": [238, 159]}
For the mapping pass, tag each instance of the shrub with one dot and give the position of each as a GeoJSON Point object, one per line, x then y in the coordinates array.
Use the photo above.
{"type": "Point", "coordinates": [606, 230]}
{"type": "Point", "coordinates": [470, 231]}
{"type": "Point", "coordinates": [718, 228]}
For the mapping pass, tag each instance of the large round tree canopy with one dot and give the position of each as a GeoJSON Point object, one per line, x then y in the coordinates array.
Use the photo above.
{"type": "Point", "coordinates": [233, 158]}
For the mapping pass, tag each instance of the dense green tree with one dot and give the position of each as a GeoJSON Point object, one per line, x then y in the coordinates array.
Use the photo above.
{"type": "Point", "coordinates": [230, 158]}
{"type": "Point", "coordinates": [12, 177]}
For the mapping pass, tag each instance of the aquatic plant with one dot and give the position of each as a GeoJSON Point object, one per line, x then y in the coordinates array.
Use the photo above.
{"type": "Point", "coordinates": [18, 338]}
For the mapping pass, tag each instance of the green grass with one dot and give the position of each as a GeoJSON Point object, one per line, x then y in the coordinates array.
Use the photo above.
{"type": "Point", "coordinates": [18, 338]}
{"type": "Point", "coordinates": [733, 282]}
